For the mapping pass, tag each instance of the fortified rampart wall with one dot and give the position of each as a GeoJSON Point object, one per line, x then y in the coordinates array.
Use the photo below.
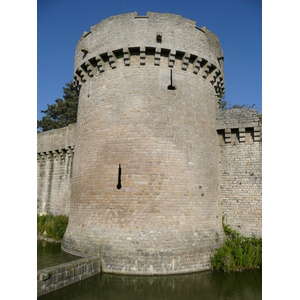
{"type": "Point", "coordinates": [56, 277]}
{"type": "Point", "coordinates": [146, 191]}
{"type": "Point", "coordinates": [240, 165]}
{"type": "Point", "coordinates": [55, 151]}
{"type": "Point", "coordinates": [146, 141]}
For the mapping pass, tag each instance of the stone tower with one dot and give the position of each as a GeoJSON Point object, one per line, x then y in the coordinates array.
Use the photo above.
{"type": "Point", "coordinates": [145, 186]}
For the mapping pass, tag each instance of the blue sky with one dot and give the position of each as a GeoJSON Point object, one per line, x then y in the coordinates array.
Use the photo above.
{"type": "Point", "coordinates": [238, 25]}
{"type": "Point", "coordinates": [37, 61]}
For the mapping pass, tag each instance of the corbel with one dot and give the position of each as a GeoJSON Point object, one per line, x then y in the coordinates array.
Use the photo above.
{"type": "Point", "coordinates": [242, 136]}
{"type": "Point", "coordinates": [112, 60]}
{"type": "Point", "coordinates": [196, 65]}
{"type": "Point", "coordinates": [142, 55]}
{"type": "Point", "coordinates": [99, 63]}
{"type": "Point", "coordinates": [256, 134]}
{"type": "Point", "coordinates": [172, 55]}
{"type": "Point", "coordinates": [89, 69]}
{"type": "Point", "coordinates": [126, 54]}
{"type": "Point", "coordinates": [157, 56]}
{"type": "Point", "coordinates": [227, 135]}
{"type": "Point", "coordinates": [185, 61]}
{"type": "Point", "coordinates": [205, 70]}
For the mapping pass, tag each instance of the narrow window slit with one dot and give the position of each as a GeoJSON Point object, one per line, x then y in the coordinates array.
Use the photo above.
{"type": "Point", "coordinates": [119, 178]}
{"type": "Point", "coordinates": [171, 86]}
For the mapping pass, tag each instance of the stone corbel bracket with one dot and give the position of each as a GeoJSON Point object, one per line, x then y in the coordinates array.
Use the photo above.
{"type": "Point", "coordinates": [200, 66]}
{"type": "Point", "coordinates": [57, 154]}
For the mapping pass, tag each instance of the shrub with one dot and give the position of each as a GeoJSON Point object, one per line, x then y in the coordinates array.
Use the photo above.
{"type": "Point", "coordinates": [59, 226]}
{"type": "Point", "coordinates": [54, 226]}
{"type": "Point", "coordinates": [238, 252]}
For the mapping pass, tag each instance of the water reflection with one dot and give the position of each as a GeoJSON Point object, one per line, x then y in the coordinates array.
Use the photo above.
{"type": "Point", "coordinates": [50, 254]}
{"type": "Point", "coordinates": [211, 285]}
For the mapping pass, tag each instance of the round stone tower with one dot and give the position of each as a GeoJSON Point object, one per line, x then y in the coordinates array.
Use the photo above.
{"type": "Point", "coordinates": [145, 180]}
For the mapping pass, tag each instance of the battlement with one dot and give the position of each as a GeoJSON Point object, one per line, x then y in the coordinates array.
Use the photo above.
{"type": "Point", "coordinates": [149, 166]}
{"type": "Point", "coordinates": [165, 40]}
{"type": "Point", "coordinates": [53, 141]}
{"type": "Point", "coordinates": [239, 125]}
{"type": "Point", "coordinates": [201, 66]}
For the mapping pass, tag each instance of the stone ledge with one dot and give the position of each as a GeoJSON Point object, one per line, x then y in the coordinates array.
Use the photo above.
{"type": "Point", "coordinates": [53, 278]}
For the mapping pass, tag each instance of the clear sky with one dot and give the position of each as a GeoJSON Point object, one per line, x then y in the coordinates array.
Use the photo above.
{"type": "Point", "coordinates": [37, 61]}
{"type": "Point", "coordinates": [238, 25]}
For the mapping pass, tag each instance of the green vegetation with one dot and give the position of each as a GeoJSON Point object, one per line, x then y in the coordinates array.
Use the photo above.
{"type": "Point", "coordinates": [53, 226]}
{"type": "Point", "coordinates": [224, 104]}
{"type": "Point", "coordinates": [238, 252]}
{"type": "Point", "coordinates": [63, 112]}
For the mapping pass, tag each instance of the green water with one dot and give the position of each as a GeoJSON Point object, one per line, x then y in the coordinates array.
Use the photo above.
{"type": "Point", "coordinates": [246, 285]}
{"type": "Point", "coordinates": [50, 254]}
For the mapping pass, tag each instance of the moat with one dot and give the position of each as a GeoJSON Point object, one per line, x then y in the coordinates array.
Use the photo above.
{"type": "Point", "coordinates": [211, 285]}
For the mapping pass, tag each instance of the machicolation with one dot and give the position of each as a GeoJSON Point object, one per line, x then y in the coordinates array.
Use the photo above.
{"type": "Point", "coordinates": [152, 164]}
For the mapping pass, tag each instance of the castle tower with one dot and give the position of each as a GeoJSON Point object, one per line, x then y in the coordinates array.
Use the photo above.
{"type": "Point", "coordinates": [145, 180]}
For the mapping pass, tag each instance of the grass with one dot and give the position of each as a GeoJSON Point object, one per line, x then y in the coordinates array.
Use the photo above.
{"type": "Point", "coordinates": [52, 226]}
{"type": "Point", "coordinates": [238, 252]}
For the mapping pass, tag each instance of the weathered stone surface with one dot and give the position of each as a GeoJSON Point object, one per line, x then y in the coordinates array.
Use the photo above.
{"type": "Point", "coordinates": [180, 157]}
{"type": "Point", "coordinates": [51, 279]}
{"type": "Point", "coordinates": [164, 141]}
{"type": "Point", "coordinates": [240, 164]}
{"type": "Point", "coordinates": [55, 150]}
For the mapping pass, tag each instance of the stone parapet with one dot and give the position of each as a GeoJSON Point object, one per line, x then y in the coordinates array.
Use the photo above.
{"type": "Point", "coordinates": [53, 278]}
{"type": "Point", "coordinates": [238, 122]}
{"type": "Point", "coordinates": [57, 139]}
{"type": "Point", "coordinates": [155, 35]}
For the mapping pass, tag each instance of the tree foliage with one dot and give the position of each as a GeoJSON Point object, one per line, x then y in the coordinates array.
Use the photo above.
{"type": "Point", "coordinates": [222, 101]}
{"type": "Point", "coordinates": [223, 104]}
{"type": "Point", "coordinates": [63, 112]}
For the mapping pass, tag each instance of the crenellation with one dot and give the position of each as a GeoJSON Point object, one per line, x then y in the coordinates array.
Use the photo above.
{"type": "Point", "coordinates": [156, 165]}
{"type": "Point", "coordinates": [96, 64]}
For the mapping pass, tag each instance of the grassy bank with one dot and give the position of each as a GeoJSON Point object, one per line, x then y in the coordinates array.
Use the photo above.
{"type": "Point", "coordinates": [238, 252]}
{"type": "Point", "coordinates": [52, 226]}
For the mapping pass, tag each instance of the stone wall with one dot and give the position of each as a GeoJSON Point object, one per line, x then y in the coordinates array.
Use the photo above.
{"type": "Point", "coordinates": [166, 216]}
{"type": "Point", "coordinates": [240, 163]}
{"type": "Point", "coordinates": [149, 181]}
{"type": "Point", "coordinates": [53, 278]}
{"type": "Point", "coordinates": [55, 151]}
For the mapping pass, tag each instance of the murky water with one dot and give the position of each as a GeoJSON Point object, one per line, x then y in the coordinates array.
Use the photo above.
{"type": "Point", "coordinates": [246, 285]}
{"type": "Point", "coordinates": [50, 254]}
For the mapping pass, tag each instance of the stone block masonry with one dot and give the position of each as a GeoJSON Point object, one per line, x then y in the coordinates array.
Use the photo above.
{"type": "Point", "coordinates": [156, 163]}
{"type": "Point", "coordinates": [55, 150]}
{"type": "Point", "coordinates": [240, 164]}
{"type": "Point", "coordinates": [53, 278]}
{"type": "Point", "coordinates": [146, 140]}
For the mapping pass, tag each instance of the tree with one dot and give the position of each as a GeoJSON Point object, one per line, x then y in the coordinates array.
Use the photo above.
{"type": "Point", "coordinates": [63, 112]}
{"type": "Point", "coordinates": [224, 105]}
{"type": "Point", "coordinates": [222, 101]}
